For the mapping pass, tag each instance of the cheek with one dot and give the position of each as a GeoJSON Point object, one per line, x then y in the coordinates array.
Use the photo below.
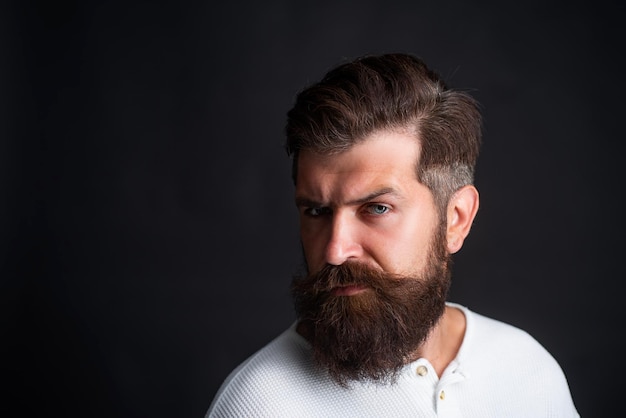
{"type": "Point", "coordinates": [404, 248]}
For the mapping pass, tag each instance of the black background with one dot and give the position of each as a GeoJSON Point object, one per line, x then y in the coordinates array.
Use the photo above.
{"type": "Point", "coordinates": [148, 234]}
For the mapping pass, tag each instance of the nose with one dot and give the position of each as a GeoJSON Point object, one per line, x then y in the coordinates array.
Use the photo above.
{"type": "Point", "coordinates": [343, 243]}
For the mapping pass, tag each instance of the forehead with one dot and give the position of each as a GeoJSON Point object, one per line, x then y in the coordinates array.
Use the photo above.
{"type": "Point", "coordinates": [383, 159]}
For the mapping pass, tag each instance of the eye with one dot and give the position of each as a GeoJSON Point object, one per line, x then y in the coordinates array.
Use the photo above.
{"type": "Point", "coordinates": [316, 211]}
{"type": "Point", "coordinates": [377, 209]}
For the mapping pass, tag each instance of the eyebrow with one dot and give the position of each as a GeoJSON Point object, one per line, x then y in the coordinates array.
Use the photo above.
{"type": "Point", "coordinates": [303, 201]}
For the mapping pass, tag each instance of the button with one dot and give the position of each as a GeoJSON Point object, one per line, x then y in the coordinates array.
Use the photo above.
{"type": "Point", "coordinates": [442, 395]}
{"type": "Point", "coordinates": [421, 370]}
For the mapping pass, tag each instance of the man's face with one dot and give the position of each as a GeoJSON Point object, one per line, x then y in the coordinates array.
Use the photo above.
{"type": "Point", "coordinates": [377, 258]}
{"type": "Point", "coordinates": [366, 205]}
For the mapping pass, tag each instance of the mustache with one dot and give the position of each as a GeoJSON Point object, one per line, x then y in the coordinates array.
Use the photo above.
{"type": "Point", "coordinates": [351, 273]}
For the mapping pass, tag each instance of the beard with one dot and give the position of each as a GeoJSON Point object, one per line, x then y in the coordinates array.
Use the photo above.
{"type": "Point", "coordinates": [371, 335]}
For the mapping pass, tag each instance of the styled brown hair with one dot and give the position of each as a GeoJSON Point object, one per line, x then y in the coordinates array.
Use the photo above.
{"type": "Point", "coordinates": [394, 91]}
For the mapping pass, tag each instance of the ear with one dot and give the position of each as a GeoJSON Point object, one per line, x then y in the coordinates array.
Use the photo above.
{"type": "Point", "coordinates": [462, 210]}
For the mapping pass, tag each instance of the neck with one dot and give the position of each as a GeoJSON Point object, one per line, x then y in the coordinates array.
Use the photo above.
{"type": "Point", "coordinates": [444, 341]}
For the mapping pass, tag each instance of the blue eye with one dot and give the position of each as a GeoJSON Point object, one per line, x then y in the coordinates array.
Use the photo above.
{"type": "Point", "coordinates": [376, 209]}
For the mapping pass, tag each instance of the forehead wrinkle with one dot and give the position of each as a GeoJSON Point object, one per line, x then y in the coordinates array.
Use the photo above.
{"type": "Point", "coordinates": [302, 200]}
{"type": "Point", "coordinates": [374, 195]}
{"type": "Point", "coordinates": [358, 174]}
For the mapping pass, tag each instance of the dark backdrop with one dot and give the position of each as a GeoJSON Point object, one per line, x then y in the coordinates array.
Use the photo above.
{"type": "Point", "coordinates": [148, 234]}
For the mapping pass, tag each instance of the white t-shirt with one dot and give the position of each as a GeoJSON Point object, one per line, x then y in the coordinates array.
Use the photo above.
{"type": "Point", "coordinates": [499, 371]}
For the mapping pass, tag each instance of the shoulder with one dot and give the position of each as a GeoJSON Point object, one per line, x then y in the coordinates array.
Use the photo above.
{"type": "Point", "coordinates": [497, 346]}
{"type": "Point", "coordinates": [492, 336]}
{"type": "Point", "coordinates": [259, 384]}
{"type": "Point", "coordinates": [504, 357]}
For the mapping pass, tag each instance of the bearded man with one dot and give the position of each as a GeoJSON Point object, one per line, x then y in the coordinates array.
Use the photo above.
{"type": "Point", "coordinates": [383, 165]}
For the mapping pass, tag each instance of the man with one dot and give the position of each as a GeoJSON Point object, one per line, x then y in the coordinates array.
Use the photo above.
{"type": "Point", "coordinates": [383, 161]}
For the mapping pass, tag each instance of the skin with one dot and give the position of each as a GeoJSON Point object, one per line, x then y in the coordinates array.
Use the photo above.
{"type": "Point", "coordinates": [366, 205]}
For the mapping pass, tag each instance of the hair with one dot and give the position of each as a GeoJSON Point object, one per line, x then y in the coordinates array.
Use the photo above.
{"type": "Point", "coordinates": [396, 92]}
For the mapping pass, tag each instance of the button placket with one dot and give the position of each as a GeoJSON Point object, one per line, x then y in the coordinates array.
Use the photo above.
{"type": "Point", "coordinates": [445, 399]}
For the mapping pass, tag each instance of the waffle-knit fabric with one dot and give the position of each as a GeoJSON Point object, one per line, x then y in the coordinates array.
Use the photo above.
{"type": "Point", "coordinates": [499, 371]}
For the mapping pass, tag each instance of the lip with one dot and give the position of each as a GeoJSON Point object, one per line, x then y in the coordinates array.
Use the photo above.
{"type": "Point", "coordinates": [349, 290]}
